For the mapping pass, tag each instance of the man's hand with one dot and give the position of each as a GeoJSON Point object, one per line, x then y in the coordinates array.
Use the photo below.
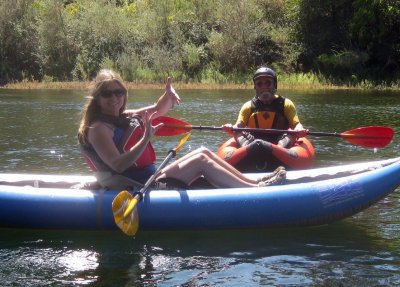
{"type": "Point", "coordinates": [244, 139]}
{"type": "Point", "coordinates": [301, 133]}
{"type": "Point", "coordinates": [227, 128]}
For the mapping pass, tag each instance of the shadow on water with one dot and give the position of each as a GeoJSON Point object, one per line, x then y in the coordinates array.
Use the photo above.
{"type": "Point", "coordinates": [199, 242]}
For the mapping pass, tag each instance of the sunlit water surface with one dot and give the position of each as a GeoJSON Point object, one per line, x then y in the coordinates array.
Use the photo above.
{"type": "Point", "coordinates": [39, 136]}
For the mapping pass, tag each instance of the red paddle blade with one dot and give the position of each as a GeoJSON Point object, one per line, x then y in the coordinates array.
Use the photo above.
{"type": "Point", "coordinates": [372, 136]}
{"type": "Point", "coordinates": [171, 127]}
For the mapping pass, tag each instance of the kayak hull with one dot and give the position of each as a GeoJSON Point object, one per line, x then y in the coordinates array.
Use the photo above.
{"type": "Point", "coordinates": [346, 191]}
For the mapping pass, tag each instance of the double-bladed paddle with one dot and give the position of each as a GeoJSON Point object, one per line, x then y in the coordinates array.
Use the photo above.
{"type": "Point", "coordinates": [124, 204]}
{"type": "Point", "coordinates": [370, 136]}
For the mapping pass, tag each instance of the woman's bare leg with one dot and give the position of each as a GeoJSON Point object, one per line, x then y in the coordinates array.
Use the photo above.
{"type": "Point", "coordinates": [219, 161]}
{"type": "Point", "coordinates": [196, 164]}
{"type": "Point", "coordinates": [228, 166]}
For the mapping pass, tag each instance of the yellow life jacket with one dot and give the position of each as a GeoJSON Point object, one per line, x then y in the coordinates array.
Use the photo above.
{"type": "Point", "coordinates": [268, 116]}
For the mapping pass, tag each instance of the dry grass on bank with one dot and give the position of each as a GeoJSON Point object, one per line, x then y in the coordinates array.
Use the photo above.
{"type": "Point", "coordinates": [133, 86]}
{"type": "Point", "coordinates": [179, 86]}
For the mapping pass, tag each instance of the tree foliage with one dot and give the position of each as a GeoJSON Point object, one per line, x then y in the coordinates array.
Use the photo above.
{"type": "Point", "coordinates": [375, 28]}
{"type": "Point", "coordinates": [199, 40]}
{"type": "Point", "coordinates": [18, 42]}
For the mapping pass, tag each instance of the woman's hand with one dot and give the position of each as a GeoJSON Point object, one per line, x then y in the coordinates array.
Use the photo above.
{"type": "Point", "coordinates": [171, 93]}
{"type": "Point", "coordinates": [167, 100]}
{"type": "Point", "coordinates": [149, 129]}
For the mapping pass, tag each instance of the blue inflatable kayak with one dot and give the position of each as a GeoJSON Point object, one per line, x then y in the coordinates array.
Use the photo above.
{"type": "Point", "coordinates": [310, 197]}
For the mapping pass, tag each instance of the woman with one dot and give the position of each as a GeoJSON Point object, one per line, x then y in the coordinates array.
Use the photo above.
{"type": "Point", "coordinates": [116, 141]}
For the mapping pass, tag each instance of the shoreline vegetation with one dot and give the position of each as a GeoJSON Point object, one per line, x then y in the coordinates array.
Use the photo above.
{"type": "Point", "coordinates": [287, 84]}
{"type": "Point", "coordinates": [154, 86]}
{"type": "Point", "coordinates": [207, 44]}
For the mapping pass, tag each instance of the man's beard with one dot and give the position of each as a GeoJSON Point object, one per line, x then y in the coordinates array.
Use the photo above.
{"type": "Point", "coordinates": [267, 96]}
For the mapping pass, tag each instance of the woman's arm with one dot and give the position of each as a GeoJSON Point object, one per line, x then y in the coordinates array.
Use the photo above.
{"type": "Point", "coordinates": [101, 138]}
{"type": "Point", "coordinates": [163, 105]}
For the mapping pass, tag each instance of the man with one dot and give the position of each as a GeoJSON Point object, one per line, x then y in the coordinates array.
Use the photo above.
{"type": "Point", "coordinates": [266, 110]}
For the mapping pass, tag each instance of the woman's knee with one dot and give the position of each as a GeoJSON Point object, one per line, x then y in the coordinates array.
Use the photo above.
{"type": "Point", "coordinates": [202, 150]}
{"type": "Point", "coordinates": [201, 158]}
{"type": "Point", "coordinates": [205, 151]}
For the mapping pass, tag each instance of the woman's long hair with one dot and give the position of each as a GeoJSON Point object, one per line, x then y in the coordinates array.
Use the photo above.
{"type": "Point", "coordinates": [92, 109]}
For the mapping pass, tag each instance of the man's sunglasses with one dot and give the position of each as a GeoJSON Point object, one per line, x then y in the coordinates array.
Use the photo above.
{"type": "Point", "coordinates": [109, 93]}
{"type": "Point", "coordinates": [264, 82]}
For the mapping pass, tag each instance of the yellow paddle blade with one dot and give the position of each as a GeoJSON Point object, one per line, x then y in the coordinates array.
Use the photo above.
{"type": "Point", "coordinates": [130, 224]}
{"type": "Point", "coordinates": [131, 205]}
{"type": "Point", "coordinates": [182, 142]}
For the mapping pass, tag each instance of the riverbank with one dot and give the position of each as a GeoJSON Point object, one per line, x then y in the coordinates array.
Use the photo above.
{"type": "Point", "coordinates": [306, 81]}
{"type": "Point", "coordinates": [177, 85]}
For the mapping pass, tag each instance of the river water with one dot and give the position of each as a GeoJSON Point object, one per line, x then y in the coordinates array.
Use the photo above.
{"type": "Point", "coordinates": [38, 131]}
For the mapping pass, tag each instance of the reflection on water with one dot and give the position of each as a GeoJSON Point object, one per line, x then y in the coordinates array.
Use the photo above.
{"type": "Point", "coordinates": [314, 256]}
{"type": "Point", "coordinates": [39, 136]}
{"type": "Point", "coordinates": [317, 256]}
{"type": "Point", "coordinates": [31, 265]}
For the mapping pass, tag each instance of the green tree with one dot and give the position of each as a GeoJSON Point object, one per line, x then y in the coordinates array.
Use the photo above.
{"type": "Point", "coordinates": [239, 28]}
{"type": "Point", "coordinates": [97, 30]}
{"type": "Point", "coordinates": [56, 49]}
{"type": "Point", "coordinates": [18, 42]}
{"type": "Point", "coordinates": [322, 29]}
{"type": "Point", "coordinates": [199, 40]}
{"type": "Point", "coordinates": [375, 29]}
{"type": "Point", "coordinates": [350, 40]}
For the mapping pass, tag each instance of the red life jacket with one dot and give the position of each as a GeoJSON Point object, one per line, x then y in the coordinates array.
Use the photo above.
{"type": "Point", "coordinates": [131, 137]}
{"type": "Point", "coordinates": [126, 135]}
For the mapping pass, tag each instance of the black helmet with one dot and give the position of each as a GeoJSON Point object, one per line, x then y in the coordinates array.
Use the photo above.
{"type": "Point", "coordinates": [265, 71]}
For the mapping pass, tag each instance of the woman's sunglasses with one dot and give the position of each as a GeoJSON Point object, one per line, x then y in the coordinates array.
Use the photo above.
{"type": "Point", "coordinates": [109, 93]}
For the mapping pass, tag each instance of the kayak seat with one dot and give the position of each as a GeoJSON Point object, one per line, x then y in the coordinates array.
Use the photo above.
{"type": "Point", "coordinates": [173, 183]}
{"type": "Point", "coordinates": [169, 183]}
{"type": "Point", "coordinates": [201, 183]}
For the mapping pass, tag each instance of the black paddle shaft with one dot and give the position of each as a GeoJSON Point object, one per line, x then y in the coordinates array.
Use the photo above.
{"type": "Point", "coordinates": [255, 130]}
